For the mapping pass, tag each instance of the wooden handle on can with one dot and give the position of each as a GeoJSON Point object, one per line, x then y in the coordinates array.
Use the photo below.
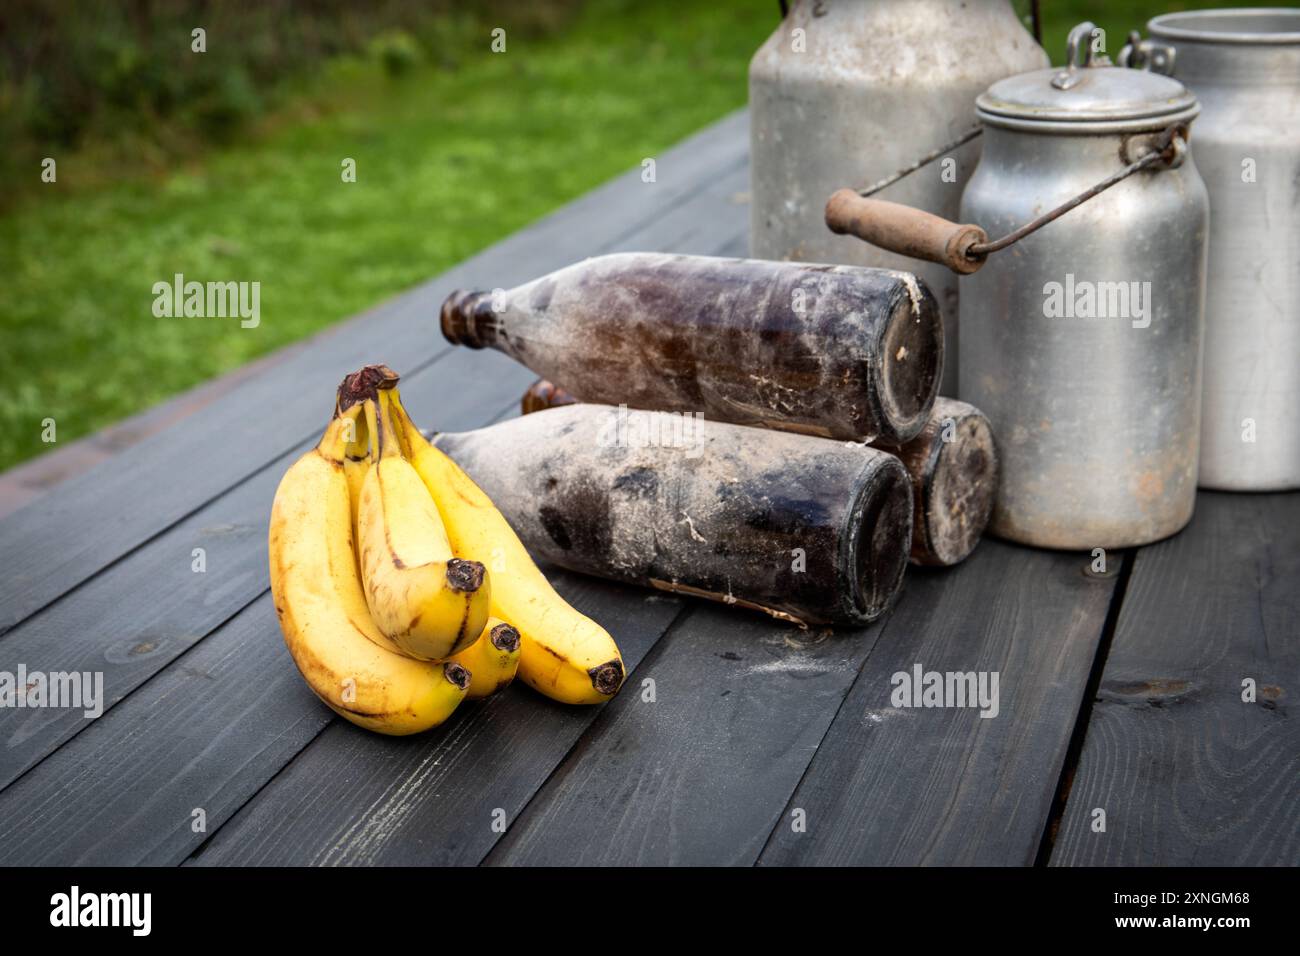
{"type": "Point", "coordinates": [907, 231]}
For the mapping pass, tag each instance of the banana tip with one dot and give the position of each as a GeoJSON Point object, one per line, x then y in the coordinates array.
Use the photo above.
{"type": "Point", "coordinates": [457, 674]}
{"type": "Point", "coordinates": [504, 638]}
{"type": "Point", "coordinates": [465, 575]}
{"type": "Point", "coordinates": [607, 678]}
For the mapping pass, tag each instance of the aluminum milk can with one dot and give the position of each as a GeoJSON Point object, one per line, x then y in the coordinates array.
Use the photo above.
{"type": "Point", "coordinates": [847, 91]}
{"type": "Point", "coordinates": [1082, 325]}
{"type": "Point", "coordinates": [1244, 67]}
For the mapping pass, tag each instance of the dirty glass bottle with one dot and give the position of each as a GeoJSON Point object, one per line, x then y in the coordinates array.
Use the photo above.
{"type": "Point", "coordinates": [953, 464]}
{"type": "Point", "coordinates": [802, 528]}
{"type": "Point", "coordinates": [839, 351]}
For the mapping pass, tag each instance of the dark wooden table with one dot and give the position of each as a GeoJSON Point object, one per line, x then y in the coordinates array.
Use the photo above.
{"type": "Point", "coordinates": [1120, 692]}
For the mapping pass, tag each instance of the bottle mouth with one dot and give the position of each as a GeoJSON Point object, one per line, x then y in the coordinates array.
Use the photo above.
{"type": "Point", "coordinates": [911, 364]}
{"type": "Point", "coordinates": [882, 540]}
{"type": "Point", "coordinates": [455, 318]}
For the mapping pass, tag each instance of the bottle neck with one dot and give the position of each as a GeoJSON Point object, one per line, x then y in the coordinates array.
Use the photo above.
{"type": "Point", "coordinates": [468, 319]}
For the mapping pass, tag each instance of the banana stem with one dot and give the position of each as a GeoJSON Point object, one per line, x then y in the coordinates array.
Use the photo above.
{"type": "Point", "coordinates": [402, 424]}
{"type": "Point", "coordinates": [359, 447]}
{"type": "Point", "coordinates": [365, 383]}
{"type": "Point", "coordinates": [383, 439]}
{"type": "Point", "coordinates": [388, 400]}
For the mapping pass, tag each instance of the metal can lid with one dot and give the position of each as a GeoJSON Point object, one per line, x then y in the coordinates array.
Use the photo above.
{"type": "Point", "coordinates": [1257, 26]}
{"type": "Point", "coordinates": [1087, 94]}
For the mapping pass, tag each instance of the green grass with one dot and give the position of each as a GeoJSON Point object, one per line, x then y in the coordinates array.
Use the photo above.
{"type": "Point", "coordinates": [448, 159]}
{"type": "Point", "coordinates": [447, 163]}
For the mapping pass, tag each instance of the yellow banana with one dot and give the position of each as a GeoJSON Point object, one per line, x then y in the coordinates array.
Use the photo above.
{"type": "Point", "coordinates": [356, 462]}
{"type": "Point", "coordinates": [427, 601]}
{"type": "Point", "coordinates": [564, 654]}
{"type": "Point", "coordinates": [322, 610]}
{"type": "Point", "coordinates": [492, 659]}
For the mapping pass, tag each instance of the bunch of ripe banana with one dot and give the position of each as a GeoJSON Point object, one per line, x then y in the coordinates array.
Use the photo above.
{"type": "Point", "coordinates": [387, 613]}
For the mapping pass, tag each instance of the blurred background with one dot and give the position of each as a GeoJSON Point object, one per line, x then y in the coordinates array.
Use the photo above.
{"type": "Point", "coordinates": [225, 165]}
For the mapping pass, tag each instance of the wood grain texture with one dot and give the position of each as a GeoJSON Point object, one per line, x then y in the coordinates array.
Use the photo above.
{"type": "Point", "coordinates": [701, 774]}
{"type": "Point", "coordinates": [738, 248]}
{"type": "Point", "coordinates": [208, 732]}
{"type": "Point", "coordinates": [133, 619]}
{"type": "Point", "coordinates": [203, 734]}
{"type": "Point", "coordinates": [353, 797]}
{"type": "Point", "coordinates": [64, 538]}
{"type": "Point", "coordinates": [1187, 772]}
{"type": "Point", "coordinates": [944, 786]}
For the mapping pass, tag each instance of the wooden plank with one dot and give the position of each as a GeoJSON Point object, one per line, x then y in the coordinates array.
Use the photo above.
{"type": "Point", "coordinates": [205, 734]}
{"type": "Point", "coordinates": [700, 774]}
{"type": "Point", "coordinates": [133, 619]}
{"type": "Point", "coordinates": [353, 797]}
{"type": "Point", "coordinates": [62, 539]}
{"type": "Point", "coordinates": [197, 737]}
{"type": "Point", "coordinates": [1188, 773]}
{"type": "Point", "coordinates": [944, 785]}
{"type": "Point", "coordinates": [738, 248]}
